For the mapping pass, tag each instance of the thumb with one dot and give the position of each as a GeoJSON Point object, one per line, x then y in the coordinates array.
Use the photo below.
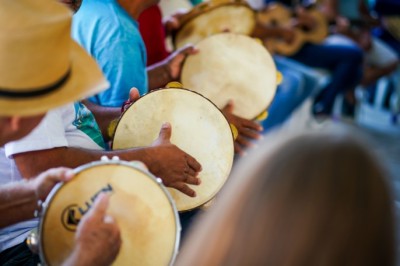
{"type": "Point", "coordinates": [228, 107]}
{"type": "Point", "coordinates": [174, 23]}
{"type": "Point", "coordinates": [165, 132]}
{"type": "Point", "coordinates": [100, 206]}
{"type": "Point", "coordinates": [134, 94]}
{"type": "Point", "coordinates": [188, 49]}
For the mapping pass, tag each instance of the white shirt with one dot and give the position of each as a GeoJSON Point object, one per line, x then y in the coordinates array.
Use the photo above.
{"type": "Point", "coordinates": [72, 125]}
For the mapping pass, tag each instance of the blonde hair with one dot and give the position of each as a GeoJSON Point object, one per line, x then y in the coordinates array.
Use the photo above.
{"type": "Point", "coordinates": [318, 199]}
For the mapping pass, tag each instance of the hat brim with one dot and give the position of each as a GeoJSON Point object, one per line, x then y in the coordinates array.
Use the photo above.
{"type": "Point", "coordinates": [85, 80]}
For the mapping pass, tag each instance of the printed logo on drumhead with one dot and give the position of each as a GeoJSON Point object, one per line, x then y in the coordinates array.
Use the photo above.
{"type": "Point", "coordinates": [73, 213]}
{"type": "Point", "coordinates": [71, 217]}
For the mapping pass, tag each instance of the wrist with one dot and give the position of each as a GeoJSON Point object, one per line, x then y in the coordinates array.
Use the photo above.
{"type": "Point", "coordinates": [31, 190]}
{"type": "Point", "coordinates": [167, 73]}
{"type": "Point", "coordinates": [76, 258]}
{"type": "Point", "coordinates": [147, 159]}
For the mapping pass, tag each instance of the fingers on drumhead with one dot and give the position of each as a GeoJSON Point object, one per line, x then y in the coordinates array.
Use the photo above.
{"type": "Point", "coordinates": [193, 163]}
{"type": "Point", "coordinates": [101, 204]}
{"type": "Point", "coordinates": [165, 131]}
{"type": "Point", "coordinates": [182, 187]}
{"type": "Point", "coordinates": [193, 180]}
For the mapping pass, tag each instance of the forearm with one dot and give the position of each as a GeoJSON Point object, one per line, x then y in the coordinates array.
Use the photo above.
{"type": "Point", "coordinates": [158, 75]}
{"type": "Point", "coordinates": [32, 163]}
{"type": "Point", "coordinates": [103, 116]}
{"type": "Point", "coordinates": [18, 202]}
{"type": "Point", "coordinates": [373, 74]}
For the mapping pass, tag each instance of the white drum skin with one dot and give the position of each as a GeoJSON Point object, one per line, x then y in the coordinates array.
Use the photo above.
{"type": "Point", "coordinates": [214, 17]}
{"type": "Point", "coordinates": [234, 67]}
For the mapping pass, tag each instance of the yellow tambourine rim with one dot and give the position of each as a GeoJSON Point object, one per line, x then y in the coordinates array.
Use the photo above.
{"type": "Point", "coordinates": [258, 40]}
{"type": "Point", "coordinates": [262, 116]}
{"type": "Point", "coordinates": [235, 132]}
{"type": "Point", "coordinates": [279, 78]}
{"type": "Point", "coordinates": [111, 128]}
{"type": "Point", "coordinates": [174, 85]}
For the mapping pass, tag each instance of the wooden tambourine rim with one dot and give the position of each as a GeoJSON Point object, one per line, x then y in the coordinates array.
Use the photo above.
{"type": "Point", "coordinates": [191, 91]}
{"type": "Point", "coordinates": [205, 7]}
{"type": "Point", "coordinates": [56, 190]}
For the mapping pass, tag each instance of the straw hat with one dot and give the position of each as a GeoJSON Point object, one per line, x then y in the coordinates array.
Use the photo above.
{"type": "Point", "coordinates": [41, 67]}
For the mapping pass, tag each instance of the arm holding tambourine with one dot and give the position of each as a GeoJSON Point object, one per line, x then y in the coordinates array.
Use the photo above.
{"type": "Point", "coordinates": [247, 130]}
{"type": "Point", "coordinates": [18, 200]}
{"type": "Point", "coordinates": [165, 160]}
{"type": "Point", "coordinates": [98, 238]}
{"type": "Point", "coordinates": [169, 69]}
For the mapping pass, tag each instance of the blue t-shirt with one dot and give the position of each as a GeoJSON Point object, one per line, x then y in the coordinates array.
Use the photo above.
{"type": "Point", "coordinates": [112, 37]}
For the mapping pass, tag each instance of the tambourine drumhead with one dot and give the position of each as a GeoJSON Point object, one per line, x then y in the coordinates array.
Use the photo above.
{"type": "Point", "coordinates": [232, 66]}
{"type": "Point", "coordinates": [142, 207]}
{"type": "Point", "coordinates": [198, 128]}
{"type": "Point", "coordinates": [214, 17]}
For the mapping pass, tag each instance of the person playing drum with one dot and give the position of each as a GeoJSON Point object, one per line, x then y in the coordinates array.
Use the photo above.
{"type": "Point", "coordinates": [67, 136]}
{"type": "Point", "coordinates": [296, 86]}
{"type": "Point", "coordinates": [124, 61]}
{"type": "Point", "coordinates": [119, 50]}
{"type": "Point", "coordinates": [22, 108]}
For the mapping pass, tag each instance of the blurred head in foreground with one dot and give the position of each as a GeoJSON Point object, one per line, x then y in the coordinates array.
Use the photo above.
{"type": "Point", "coordinates": [315, 199]}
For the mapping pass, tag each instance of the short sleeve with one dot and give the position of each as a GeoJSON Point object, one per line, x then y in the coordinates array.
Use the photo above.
{"type": "Point", "coordinates": [49, 134]}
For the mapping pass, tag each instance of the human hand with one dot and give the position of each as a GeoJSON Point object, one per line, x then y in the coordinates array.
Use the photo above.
{"type": "Point", "coordinates": [97, 238]}
{"type": "Point", "coordinates": [134, 95]}
{"type": "Point", "coordinates": [46, 181]}
{"type": "Point", "coordinates": [174, 62]}
{"type": "Point", "coordinates": [342, 25]}
{"type": "Point", "coordinates": [247, 129]}
{"type": "Point", "coordinates": [173, 22]}
{"type": "Point", "coordinates": [175, 167]}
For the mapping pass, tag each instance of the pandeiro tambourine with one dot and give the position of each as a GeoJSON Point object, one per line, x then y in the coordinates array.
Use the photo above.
{"type": "Point", "coordinates": [198, 128]}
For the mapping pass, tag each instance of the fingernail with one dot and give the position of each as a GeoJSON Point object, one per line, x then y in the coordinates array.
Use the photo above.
{"type": "Point", "coordinates": [108, 219]}
{"type": "Point", "coordinates": [69, 174]}
{"type": "Point", "coordinates": [100, 196]}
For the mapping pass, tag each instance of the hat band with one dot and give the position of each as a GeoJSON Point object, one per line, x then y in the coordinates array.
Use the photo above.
{"type": "Point", "coordinates": [10, 93]}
